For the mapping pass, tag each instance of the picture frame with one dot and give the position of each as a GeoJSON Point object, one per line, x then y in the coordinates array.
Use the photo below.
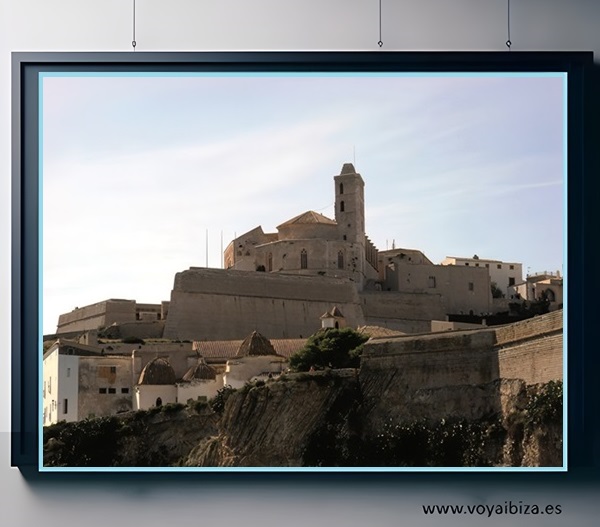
{"type": "Point", "coordinates": [28, 69]}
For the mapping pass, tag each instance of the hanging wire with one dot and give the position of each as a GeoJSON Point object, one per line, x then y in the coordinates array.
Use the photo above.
{"type": "Point", "coordinates": [380, 43]}
{"type": "Point", "coordinates": [508, 42]}
{"type": "Point", "coordinates": [133, 42]}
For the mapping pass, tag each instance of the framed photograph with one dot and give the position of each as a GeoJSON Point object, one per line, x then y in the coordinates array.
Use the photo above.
{"type": "Point", "coordinates": [299, 262]}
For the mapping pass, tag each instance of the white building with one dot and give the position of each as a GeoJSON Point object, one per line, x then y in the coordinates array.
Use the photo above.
{"type": "Point", "coordinates": [79, 382]}
{"type": "Point", "coordinates": [503, 274]}
{"type": "Point", "coordinates": [255, 359]}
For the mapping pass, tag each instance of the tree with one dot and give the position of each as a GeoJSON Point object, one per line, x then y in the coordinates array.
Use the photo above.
{"type": "Point", "coordinates": [330, 348]}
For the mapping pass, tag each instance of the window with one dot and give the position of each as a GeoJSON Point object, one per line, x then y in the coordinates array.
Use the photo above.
{"type": "Point", "coordinates": [50, 385]}
{"type": "Point", "coordinates": [341, 188]}
{"type": "Point", "coordinates": [68, 372]}
{"type": "Point", "coordinates": [270, 262]}
{"type": "Point", "coordinates": [44, 388]}
{"type": "Point", "coordinates": [432, 281]}
{"type": "Point", "coordinates": [65, 406]}
{"type": "Point", "coordinates": [345, 237]}
{"type": "Point", "coordinates": [487, 265]}
{"type": "Point", "coordinates": [471, 286]}
{"type": "Point", "coordinates": [340, 260]}
{"type": "Point", "coordinates": [102, 390]}
{"type": "Point", "coordinates": [476, 265]}
{"type": "Point", "coordinates": [499, 266]}
{"type": "Point", "coordinates": [511, 280]}
{"type": "Point", "coordinates": [113, 369]}
{"type": "Point", "coordinates": [112, 390]}
{"type": "Point", "coordinates": [342, 207]}
{"type": "Point", "coordinates": [124, 390]}
{"type": "Point", "coordinates": [512, 267]}
{"type": "Point", "coordinates": [303, 259]}
{"type": "Point", "coordinates": [466, 263]}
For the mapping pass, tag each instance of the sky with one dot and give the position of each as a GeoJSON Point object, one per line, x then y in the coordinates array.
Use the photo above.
{"type": "Point", "coordinates": [141, 174]}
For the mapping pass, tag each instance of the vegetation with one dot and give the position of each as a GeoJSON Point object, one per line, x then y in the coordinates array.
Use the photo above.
{"type": "Point", "coordinates": [545, 406]}
{"type": "Point", "coordinates": [330, 348]}
{"type": "Point", "coordinates": [217, 403]}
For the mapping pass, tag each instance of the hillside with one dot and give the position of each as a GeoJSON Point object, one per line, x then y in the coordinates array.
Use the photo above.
{"type": "Point", "coordinates": [323, 419]}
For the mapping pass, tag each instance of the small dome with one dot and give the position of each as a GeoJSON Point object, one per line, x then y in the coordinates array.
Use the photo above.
{"type": "Point", "coordinates": [256, 345]}
{"type": "Point", "coordinates": [200, 371]}
{"type": "Point", "coordinates": [157, 371]}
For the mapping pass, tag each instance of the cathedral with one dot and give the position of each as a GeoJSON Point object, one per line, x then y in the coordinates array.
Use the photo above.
{"type": "Point", "coordinates": [312, 244]}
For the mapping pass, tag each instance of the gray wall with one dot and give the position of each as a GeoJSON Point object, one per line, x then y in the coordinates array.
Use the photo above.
{"type": "Point", "coordinates": [65, 25]}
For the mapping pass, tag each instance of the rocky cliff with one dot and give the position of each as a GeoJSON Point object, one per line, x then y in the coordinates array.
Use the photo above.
{"type": "Point", "coordinates": [329, 419]}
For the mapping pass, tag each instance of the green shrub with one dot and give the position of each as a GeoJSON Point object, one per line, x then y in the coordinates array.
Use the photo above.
{"type": "Point", "coordinates": [330, 348]}
{"type": "Point", "coordinates": [217, 403]}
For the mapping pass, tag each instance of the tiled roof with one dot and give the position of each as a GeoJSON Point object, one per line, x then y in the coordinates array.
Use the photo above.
{"type": "Point", "coordinates": [308, 217]}
{"type": "Point", "coordinates": [200, 371]}
{"type": "Point", "coordinates": [255, 345]}
{"type": "Point", "coordinates": [227, 349]}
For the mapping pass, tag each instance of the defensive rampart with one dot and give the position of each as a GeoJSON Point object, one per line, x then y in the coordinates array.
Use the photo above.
{"type": "Point", "coordinates": [443, 374]}
{"type": "Point", "coordinates": [97, 315]}
{"type": "Point", "coordinates": [212, 304]}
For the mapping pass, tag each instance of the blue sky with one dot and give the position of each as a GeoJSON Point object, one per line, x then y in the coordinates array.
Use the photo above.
{"type": "Point", "coordinates": [136, 170]}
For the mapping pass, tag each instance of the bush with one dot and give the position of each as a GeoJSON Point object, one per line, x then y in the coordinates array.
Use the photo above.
{"type": "Point", "coordinates": [330, 348]}
{"type": "Point", "coordinates": [546, 406]}
{"type": "Point", "coordinates": [172, 408]}
{"type": "Point", "coordinates": [217, 403]}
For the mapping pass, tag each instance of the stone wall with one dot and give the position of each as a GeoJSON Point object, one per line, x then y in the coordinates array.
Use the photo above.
{"type": "Point", "coordinates": [113, 376]}
{"type": "Point", "coordinates": [215, 304]}
{"type": "Point", "coordinates": [97, 315]}
{"type": "Point", "coordinates": [443, 374]}
{"type": "Point", "coordinates": [407, 312]}
{"type": "Point", "coordinates": [532, 350]}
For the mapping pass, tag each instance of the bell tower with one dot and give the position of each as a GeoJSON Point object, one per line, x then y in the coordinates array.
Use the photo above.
{"type": "Point", "coordinates": [350, 204]}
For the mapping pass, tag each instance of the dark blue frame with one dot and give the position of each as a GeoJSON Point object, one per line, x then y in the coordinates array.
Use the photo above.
{"type": "Point", "coordinates": [583, 94]}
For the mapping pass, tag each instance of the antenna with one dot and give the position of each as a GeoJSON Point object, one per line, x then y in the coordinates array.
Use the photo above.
{"type": "Point", "coordinates": [207, 248]}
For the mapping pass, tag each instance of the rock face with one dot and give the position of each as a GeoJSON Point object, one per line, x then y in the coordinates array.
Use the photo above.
{"type": "Point", "coordinates": [323, 419]}
{"type": "Point", "coordinates": [276, 424]}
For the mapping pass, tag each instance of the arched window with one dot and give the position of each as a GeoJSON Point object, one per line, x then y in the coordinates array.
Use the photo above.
{"type": "Point", "coordinates": [341, 188]}
{"type": "Point", "coordinates": [270, 262]}
{"type": "Point", "coordinates": [158, 401]}
{"type": "Point", "coordinates": [340, 259]}
{"type": "Point", "coordinates": [303, 259]}
{"type": "Point", "coordinates": [342, 206]}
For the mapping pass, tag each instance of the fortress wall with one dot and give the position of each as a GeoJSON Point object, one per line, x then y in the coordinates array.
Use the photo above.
{"type": "Point", "coordinates": [434, 361]}
{"type": "Point", "coordinates": [272, 285]}
{"type": "Point", "coordinates": [456, 373]}
{"type": "Point", "coordinates": [142, 329]}
{"type": "Point", "coordinates": [533, 327]}
{"type": "Point", "coordinates": [535, 361]}
{"type": "Point", "coordinates": [209, 304]}
{"type": "Point", "coordinates": [97, 315]}
{"type": "Point", "coordinates": [530, 350]}
{"type": "Point", "coordinates": [402, 306]}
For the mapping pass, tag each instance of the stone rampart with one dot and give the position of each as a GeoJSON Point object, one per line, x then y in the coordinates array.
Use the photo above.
{"type": "Point", "coordinates": [97, 315]}
{"type": "Point", "coordinates": [407, 312]}
{"type": "Point", "coordinates": [213, 304]}
{"type": "Point", "coordinates": [442, 371]}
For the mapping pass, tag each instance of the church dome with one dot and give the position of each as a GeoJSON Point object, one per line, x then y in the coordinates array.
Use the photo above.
{"type": "Point", "coordinates": [157, 371]}
{"type": "Point", "coordinates": [256, 345]}
{"type": "Point", "coordinates": [200, 371]}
